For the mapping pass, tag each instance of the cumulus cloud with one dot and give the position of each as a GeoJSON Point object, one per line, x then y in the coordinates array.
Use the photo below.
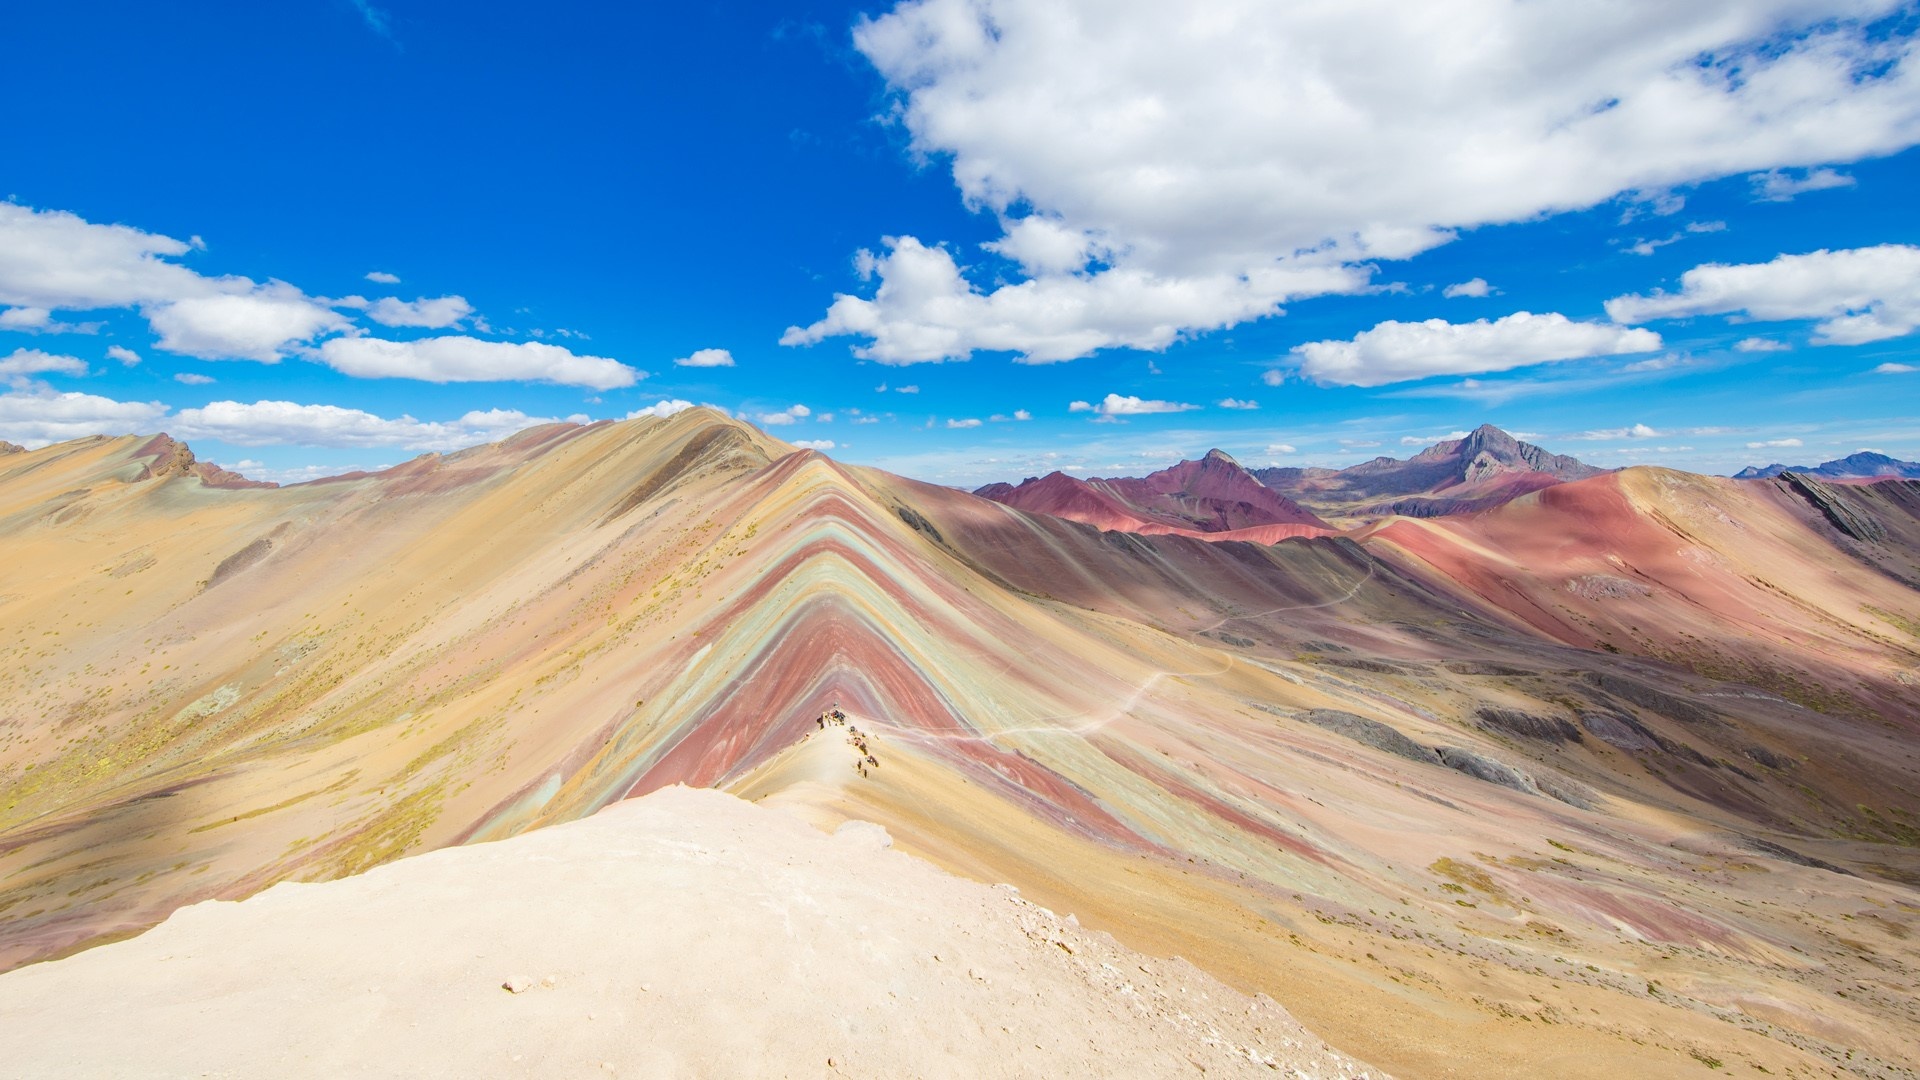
{"type": "Point", "coordinates": [278, 423]}
{"type": "Point", "coordinates": [784, 417]}
{"type": "Point", "coordinates": [25, 363]}
{"type": "Point", "coordinates": [1429, 440]}
{"type": "Point", "coordinates": [814, 444]}
{"type": "Point", "coordinates": [189, 378]}
{"type": "Point", "coordinates": [1398, 351]}
{"type": "Point", "coordinates": [1774, 443]}
{"type": "Point", "coordinates": [707, 358]}
{"type": "Point", "coordinates": [926, 311]}
{"type": "Point", "coordinates": [1781, 185]}
{"type": "Point", "coordinates": [1237, 403]}
{"type": "Point", "coordinates": [51, 260]}
{"type": "Point", "coordinates": [661, 409]}
{"type": "Point", "coordinates": [35, 417]}
{"type": "Point", "coordinates": [1637, 431]}
{"type": "Point", "coordinates": [436, 313]}
{"type": "Point", "coordinates": [381, 277]}
{"type": "Point", "coordinates": [1891, 368]}
{"type": "Point", "coordinates": [56, 261]}
{"type": "Point", "coordinates": [1760, 344]}
{"type": "Point", "coordinates": [1857, 295]}
{"type": "Point", "coordinates": [457, 358]}
{"type": "Point", "coordinates": [32, 320]}
{"type": "Point", "coordinates": [967, 423]}
{"type": "Point", "coordinates": [1114, 406]}
{"type": "Point", "coordinates": [259, 324]}
{"type": "Point", "coordinates": [1476, 287]}
{"type": "Point", "coordinates": [123, 354]}
{"type": "Point", "coordinates": [1282, 448]}
{"type": "Point", "coordinates": [1139, 154]}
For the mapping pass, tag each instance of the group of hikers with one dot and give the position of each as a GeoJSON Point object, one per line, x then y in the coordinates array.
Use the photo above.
{"type": "Point", "coordinates": [863, 757]}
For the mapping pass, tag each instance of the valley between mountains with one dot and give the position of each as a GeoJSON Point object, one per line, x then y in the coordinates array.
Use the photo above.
{"type": "Point", "coordinates": [1557, 772]}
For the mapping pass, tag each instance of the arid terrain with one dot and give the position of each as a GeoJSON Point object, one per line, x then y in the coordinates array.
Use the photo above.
{"type": "Point", "coordinates": [1619, 776]}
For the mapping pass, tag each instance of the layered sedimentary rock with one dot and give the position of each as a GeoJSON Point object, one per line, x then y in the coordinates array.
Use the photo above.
{"type": "Point", "coordinates": [213, 689]}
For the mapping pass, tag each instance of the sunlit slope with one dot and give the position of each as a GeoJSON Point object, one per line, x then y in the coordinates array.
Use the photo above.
{"type": "Point", "coordinates": [217, 689]}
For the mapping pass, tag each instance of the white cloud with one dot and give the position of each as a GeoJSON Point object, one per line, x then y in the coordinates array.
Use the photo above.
{"type": "Point", "coordinates": [126, 356]}
{"type": "Point", "coordinates": [1282, 448]}
{"type": "Point", "coordinates": [1774, 443]}
{"type": "Point", "coordinates": [35, 417]}
{"type": "Point", "coordinates": [1115, 405]}
{"type": "Point", "coordinates": [784, 417]}
{"type": "Point", "coordinates": [926, 311]}
{"type": "Point", "coordinates": [967, 423]}
{"type": "Point", "coordinates": [1022, 414]}
{"type": "Point", "coordinates": [1397, 351]}
{"type": "Point", "coordinates": [381, 277]}
{"type": "Point", "coordinates": [1658, 363]}
{"type": "Point", "coordinates": [54, 260]}
{"type": "Point", "coordinates": [1637, 431]}
{"type": "Point", "coordinates": [1858, 295]}
{"type": "Point", "coordinates": [1475, 287]}
{"type": "Point", "coordinates": [1760, 344]}
{"type": "Point", "coordinates": [259, 324]}
{"type": "Point", "coordinates": [661, 409]}
{"type": "Point", "coordinates": [906, 389]}
{"type": "Point", "coordinates": [189, 378]}
{"type": "Point", "coordinates": [1237, 403]}
{"type": "Point", "coordinates": [277, 423]}
{"type": "Point", "coordinates": [436, 313]}
{"type": "Point", "coordinates": [1894, 369]}
{"type": "Point", "coordinates": [814, 444]}
{"type": "Point", "coordinates": [707, 358]}
{"type": "Point", "coordinates": [1429, 440]}
{"type": "Point", "coordinates": [457, 358]}
{"type": "Point", "coordinates": [23, 363]}
{"type": "Point", "coordinates": [32, 320]}
{"type": "Point", "coordinates": [1779, 185]}
{"type": "Point", "coordinates": [1151, 168]}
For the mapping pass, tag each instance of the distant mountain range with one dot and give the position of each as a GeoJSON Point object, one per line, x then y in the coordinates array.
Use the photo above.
{"type": "Point", "coordinates": [1864, 465]}
{"type": "Point", "coordinates": [1483, 470]}
{"type": "Point", "coordinates": [1212, 495]}
{"type": "Point", "coordinates": [1215, 497]}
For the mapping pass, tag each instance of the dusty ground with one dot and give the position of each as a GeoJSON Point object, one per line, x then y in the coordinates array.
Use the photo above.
{"type": "Point", "coordinates": [684, 934]}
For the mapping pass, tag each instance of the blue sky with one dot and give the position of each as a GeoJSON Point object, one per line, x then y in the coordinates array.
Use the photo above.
{"type": "Point", "coordinates": [968, 241]}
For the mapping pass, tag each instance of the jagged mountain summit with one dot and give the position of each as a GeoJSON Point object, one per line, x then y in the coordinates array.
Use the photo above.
{"type": "Point", "coordinates": [1212, 496]}
{"type": "Point", "coordinates": [1865, 465]}
{"type": "Point", "coordinates": [1632, 756]}
{"type": "Point", "coordinates": [1485, 469]}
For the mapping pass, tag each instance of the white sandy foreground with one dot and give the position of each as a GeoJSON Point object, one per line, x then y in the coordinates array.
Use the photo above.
{"type": "Point", "coordinates": [688, 933]}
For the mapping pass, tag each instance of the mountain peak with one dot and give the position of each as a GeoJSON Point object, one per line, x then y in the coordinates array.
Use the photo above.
{"type": "Point", "coordinates": [1220, 457]}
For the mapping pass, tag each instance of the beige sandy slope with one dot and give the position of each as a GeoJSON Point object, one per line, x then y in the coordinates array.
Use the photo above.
{"type": "Point", "coordinates": [684, 934]}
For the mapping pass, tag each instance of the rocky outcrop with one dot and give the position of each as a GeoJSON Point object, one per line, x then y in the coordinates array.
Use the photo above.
{"type": "Point", "coordinates": [1528, 726]}
{"type": "Point", "coordinates": [1832, 504]}
{"type": "Point", "coordinates": [1370, 733]}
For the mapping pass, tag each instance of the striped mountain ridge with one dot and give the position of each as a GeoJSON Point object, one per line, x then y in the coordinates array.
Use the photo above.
{"type": "Point", "coordinates": [1285, 761]}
